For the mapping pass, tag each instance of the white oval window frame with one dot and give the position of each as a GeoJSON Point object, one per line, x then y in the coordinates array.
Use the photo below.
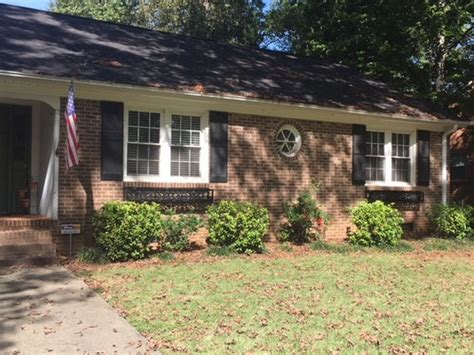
{"type": "Point", "coordinates": [298, 140]}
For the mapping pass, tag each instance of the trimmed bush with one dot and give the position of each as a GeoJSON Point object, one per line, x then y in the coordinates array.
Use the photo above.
{"type": "Point", "coordinates": [124, 230]}
{"type": "Point", "coordinates": [378, 224]}
{"type": "Point", "coordinates": [240, 226]}
{"type": "Point", "coordinates": [451, 221]}
{"type": "Point", "coordinates": [301, 217]}
{"type": "Point", "coordinates": [176, 229]}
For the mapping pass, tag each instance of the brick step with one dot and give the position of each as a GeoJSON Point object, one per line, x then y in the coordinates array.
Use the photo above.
{"type": "Point", "coordinates": [25, 236]}
{"type": "Point", "coordinates": [27, 250]}
{"type": "Point", "coordinates": [28, 222]}
{"type": "Point", "coordinates": [29, 261]}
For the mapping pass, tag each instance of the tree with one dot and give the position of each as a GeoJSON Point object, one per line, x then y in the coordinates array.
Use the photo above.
{"type": "Point", "coordinates": [120, 11]}
{"type": "Point", "coordinates": [235, 21]}
{"type": "Point", "coordinates": [421, 47]}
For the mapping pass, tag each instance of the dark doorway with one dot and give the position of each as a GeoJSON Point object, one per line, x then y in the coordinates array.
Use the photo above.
{"type": "Point", "coordinates": [15, 148]}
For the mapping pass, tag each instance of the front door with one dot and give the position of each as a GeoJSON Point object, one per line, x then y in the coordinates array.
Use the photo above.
{"type": "Point", "coordinates": [15, 139]}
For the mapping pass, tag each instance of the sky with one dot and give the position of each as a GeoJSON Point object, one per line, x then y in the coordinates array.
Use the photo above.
{"type": "Point", "coordinates": [44, 4]}
{"type": "Point", "coordinates": [35, 4]}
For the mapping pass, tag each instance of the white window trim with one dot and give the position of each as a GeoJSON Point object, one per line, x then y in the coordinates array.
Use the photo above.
{"type": "Point", "coordinates": [388, 157]}
{"type": "Point", "coordinates": [165, 146]}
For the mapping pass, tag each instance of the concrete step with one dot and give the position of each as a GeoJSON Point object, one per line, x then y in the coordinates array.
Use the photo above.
{"type": "Point", "coordinates": [10, 251]}
{"type": "Point", "coordinates": [29, 261]}
{"type": "Point", "coordinates": [25, 236]}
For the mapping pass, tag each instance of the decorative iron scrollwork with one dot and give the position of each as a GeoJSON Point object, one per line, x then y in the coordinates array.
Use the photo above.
{"type": "Point", "coordinates": [182, 199]}
{"type": "Point", "coordinates": [403, 200]}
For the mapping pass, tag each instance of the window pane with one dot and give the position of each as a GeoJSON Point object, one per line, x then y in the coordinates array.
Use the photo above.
{"type": "Point", "coordinates": [154, 136]}
{"type": "Point", "coordinates": [194, 169]}
{"type": "Point", "coordinates": [154, 153]}
{"type": "Point", "coordinates": [132, 151]}
{"type": "Point", "coordinates": [155, 120]}
{"type": "Point", "coordinates": [185, 138]}
{"type": "Point", "coordinates": [142, 167]}
{"type": "Point", "coordinates": [133, 134]}
{"type": "Point", "coordinates": [195, 138]}
{"type": "Point", "coordinates": [143, 152]}
{"type": "Point", "coordinates": [175, 122]}
{"type": "Point", "coordinates": [374, 169]}
{"type": "Point", "coordinates": [133, 118]}
{"type": "Point", "coordinates": [131, 167]}
{"type": "Point", "coordinates": [174, 168]}
{"type": "Point", "coordinates": [144, 119]}
{"type": "Point", "coordinates": [185, 122]}
{"type": "Point", "coordinates": [401, 169]}
{"type": "Point", "coordinates": [144, 136]}
{"type": "Point", "coordinates": [154, 167]}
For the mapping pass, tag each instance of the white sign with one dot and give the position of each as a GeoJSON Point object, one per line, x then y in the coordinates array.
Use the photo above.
{"type": "Point", "coordinates": [70, 228]}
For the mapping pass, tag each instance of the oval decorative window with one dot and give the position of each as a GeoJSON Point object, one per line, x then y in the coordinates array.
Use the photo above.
{"type": "Point", "coordinates": [288, 141]}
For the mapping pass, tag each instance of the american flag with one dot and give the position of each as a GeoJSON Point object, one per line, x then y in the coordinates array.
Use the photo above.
{"type": "Point", "coordinates": [72, 156]}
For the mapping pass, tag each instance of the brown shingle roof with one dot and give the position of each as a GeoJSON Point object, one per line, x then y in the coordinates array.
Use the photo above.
{"type": "Point", "coordinates": [66, 46]}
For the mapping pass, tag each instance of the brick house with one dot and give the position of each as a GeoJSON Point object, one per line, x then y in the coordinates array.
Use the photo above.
{"type": "Point", "coordinates": [163, 114]}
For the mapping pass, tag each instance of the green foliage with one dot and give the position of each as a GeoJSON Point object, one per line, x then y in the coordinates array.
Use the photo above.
{"type": "Point", "coordinates": [339, 248]}
{"type": "Point", "coordinates": [120, 11]}
{"type": "Point", "coordinates": [451, 221]}
{"type": "Point", "coordinates": [286, 246]}
{"type": "Point", "coordinates": [166, 256]}
{"type": "Point", "coordinates": [216, 250]}
{"type": "Point", "coordinates": [301, 217]}
{"type": "Point", "coordinates": [124, 230]}
{"type": "Point", "coordinates": [423, 48]}
{"type": "Point", "coordinates": [378, 224]}
{"type": "Point", "coordinates": [176, 229]}
{"type": "Point", "coordinates": [91, 256]}
{"type": "Point", "coordinates": [235, 21]}
{"type": "Point", "coordinates": [402, 247]}
{"type": "Point", "coordinates": [448, 245]}
{"type": "Point", "coordinates": [240, 226]}
{"type": "Point", "coordinates": [332, 247]}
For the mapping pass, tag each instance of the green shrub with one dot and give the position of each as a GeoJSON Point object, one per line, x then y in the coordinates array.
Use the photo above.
{"type": "Point", "coordinates": [301, 217]}
{"type": "Point", "coordinates": [215, 250]}
{"type": "Point", "coordinates": [238, 225]}
{"type": "Point", "coordinates": [176, 229]}
{"type": "Point", "coordinates": [378, 224]}
{"type": "Point", "coordinates": [451, 221]}
{"type": "Point", "coordinates": [91, 256]}
{"type": "Point", "coordinates": [124, 230]}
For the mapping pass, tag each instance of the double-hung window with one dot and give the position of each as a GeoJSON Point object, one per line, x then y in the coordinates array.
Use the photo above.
{"type": "Point", "coordinates": [166, 147]}
{"type": "Point", "coordinates": [389, 157]}
{"type": "Point", "coordinates": [143, 147]}
{"type": "Point", "coordinates": [185, 145]}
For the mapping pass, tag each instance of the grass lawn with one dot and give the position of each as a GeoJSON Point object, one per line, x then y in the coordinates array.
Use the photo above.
{"type": "Point", "coordinates": [316, 302]}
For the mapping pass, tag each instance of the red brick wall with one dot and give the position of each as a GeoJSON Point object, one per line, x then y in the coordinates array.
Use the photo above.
{"type": "Point", "coordinates": [256, 172]}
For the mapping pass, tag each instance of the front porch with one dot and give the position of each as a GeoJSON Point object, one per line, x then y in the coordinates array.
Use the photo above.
{"type": "Point", "coordinates": [28, 181]}
{"type": "Point", "coordinates": [26, 240]}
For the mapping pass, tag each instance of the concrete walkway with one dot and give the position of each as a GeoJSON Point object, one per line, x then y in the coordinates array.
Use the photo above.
{"type": "Point", "coordinates": [49, 311]}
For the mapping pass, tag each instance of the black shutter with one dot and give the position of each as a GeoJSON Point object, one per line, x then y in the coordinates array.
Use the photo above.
{"type": "Point", "coordinates": [218, 126]}
{"type": "Point", "coordinates": [423, 158]}
{"type": "Point", "coordinates": [112, 141]}
{"type": "Point", "coordinates": [358, 154]}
